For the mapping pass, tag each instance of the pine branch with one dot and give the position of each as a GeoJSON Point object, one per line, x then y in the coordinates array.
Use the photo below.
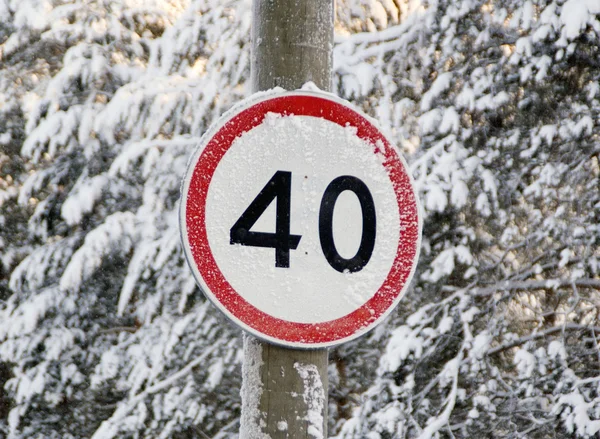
{"type": "Point", "coordinates": [110, 427]}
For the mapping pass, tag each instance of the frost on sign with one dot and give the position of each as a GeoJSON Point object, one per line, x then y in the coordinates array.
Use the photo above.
{"type": "Point", "coordinates": [299, 219]}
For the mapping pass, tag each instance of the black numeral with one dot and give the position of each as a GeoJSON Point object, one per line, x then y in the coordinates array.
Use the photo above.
{"type": "Point", "coordinates": [279, 187]}
{"type": "Point", "coordinates": [367, 240]}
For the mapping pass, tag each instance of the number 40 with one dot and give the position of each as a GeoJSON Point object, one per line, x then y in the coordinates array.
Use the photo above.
{"type": "Point", "coordinates": [279, 187]}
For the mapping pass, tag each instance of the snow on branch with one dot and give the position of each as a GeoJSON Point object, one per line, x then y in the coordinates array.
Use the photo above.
{"type": "Point", "coordinates": [110, 428]}
{"type": "Point", "coordinates": [115, 236]}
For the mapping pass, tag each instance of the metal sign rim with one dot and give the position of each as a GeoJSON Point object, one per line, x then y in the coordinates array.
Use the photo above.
{"type": "Point", "coordinates": [367, 319]}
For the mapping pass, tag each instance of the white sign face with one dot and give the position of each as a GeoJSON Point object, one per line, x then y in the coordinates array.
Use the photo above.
{"type": "Point", "coordinates": [299, 220]}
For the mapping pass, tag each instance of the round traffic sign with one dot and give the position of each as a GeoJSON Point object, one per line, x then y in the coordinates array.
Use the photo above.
{"type": "Point", "coordinates": [299, 219]}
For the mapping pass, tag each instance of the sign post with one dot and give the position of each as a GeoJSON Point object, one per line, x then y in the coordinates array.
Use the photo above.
{"type": "Point", "coordinates": [299, 221]}
{"type": "Point", "coordinates": [292, 43]}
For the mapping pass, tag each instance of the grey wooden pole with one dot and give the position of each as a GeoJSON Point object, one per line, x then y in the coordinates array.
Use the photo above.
{"type": "Point", "coordinates": [292, 43]}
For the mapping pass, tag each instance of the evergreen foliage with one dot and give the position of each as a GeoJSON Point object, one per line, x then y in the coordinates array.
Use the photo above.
{"type": "Point", "coordinates": [495, 104]}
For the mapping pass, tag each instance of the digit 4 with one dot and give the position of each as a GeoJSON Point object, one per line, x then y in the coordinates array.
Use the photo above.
{"type": "Point", "coordinates": [278, 188]}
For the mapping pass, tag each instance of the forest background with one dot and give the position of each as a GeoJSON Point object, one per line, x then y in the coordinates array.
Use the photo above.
{"type": "Point", "coordinates": [495, 105]}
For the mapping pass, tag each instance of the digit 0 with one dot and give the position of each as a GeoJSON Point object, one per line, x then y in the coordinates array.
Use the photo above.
{"type": "Point", "coordinates": [367, 240]}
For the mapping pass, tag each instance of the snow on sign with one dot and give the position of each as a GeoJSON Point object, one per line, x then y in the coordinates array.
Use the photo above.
{"type": "Point", "coordinates": [299, 219]}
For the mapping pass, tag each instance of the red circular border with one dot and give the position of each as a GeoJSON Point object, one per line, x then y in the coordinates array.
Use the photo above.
{"type": "Point", "coordinates": [286, 331]}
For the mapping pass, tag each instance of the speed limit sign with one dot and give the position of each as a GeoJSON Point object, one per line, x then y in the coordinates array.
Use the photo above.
{"type": "Point", "coordinates": [299, 219]}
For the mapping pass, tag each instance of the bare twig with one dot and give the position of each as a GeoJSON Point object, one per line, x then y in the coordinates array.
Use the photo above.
{"type": "Point", "coordinates": [536, 285]}
{"type": "Point", "coordinates": [523, 340]}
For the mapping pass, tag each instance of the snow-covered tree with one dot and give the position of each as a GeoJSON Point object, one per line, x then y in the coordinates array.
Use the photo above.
{"type": "Point", "coordinates": [499, 102]}
{"type": "Point", "coordinates": [104, 333]}
{"type": "Point", "coordinates": [496, 105]}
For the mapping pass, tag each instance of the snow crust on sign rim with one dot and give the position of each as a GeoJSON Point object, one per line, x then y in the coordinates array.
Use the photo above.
{"type": "Point", "coordinates": [316, 151]}
{"type": "Point", "coordinates": [233, 110]}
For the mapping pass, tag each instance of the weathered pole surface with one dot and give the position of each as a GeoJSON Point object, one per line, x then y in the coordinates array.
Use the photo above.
{"type": "Point", "coordinates": [292, 43]}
